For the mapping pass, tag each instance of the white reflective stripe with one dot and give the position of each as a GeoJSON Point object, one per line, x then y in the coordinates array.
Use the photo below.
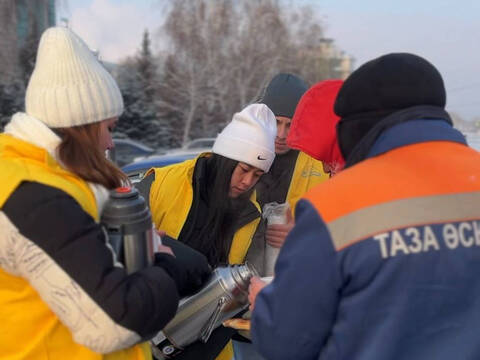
{"type": "Point", "coordinates": [89, 324]}
{"type": "Point", "coordinates": [366, 222]}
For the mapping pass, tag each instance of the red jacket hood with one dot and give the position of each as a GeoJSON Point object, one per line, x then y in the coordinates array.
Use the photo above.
{"type": "Point", "coordinates": [313, 127]}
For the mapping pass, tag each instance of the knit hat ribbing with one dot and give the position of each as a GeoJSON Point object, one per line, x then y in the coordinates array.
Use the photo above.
{"type": "Point", "coordinates": [69, 86]}
{"type": "Point", "coordinates": [249, 137]}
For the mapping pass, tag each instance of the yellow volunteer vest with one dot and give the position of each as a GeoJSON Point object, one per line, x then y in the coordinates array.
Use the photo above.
{"type": "Point", "coordinates": [171, 197]}
{"type": "Point", "coordinates": [28, 328]}
{"type": "Point", "coordinates": [308, 172]}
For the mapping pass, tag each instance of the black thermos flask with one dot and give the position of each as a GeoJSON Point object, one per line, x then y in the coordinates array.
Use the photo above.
{"type": "Point", "coordinates": [128, 222]}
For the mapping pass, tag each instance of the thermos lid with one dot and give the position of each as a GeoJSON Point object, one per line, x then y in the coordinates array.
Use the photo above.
{"type": "Point", "coordinates": [124, 190]}
{"type": "Point", "coordinates": [126, 211]}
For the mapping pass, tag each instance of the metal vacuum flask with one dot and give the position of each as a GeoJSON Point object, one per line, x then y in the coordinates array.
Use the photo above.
{"type": "Point", "coordinates": [129, 225]}
{"type": "Point", "coordinates": [222, 297]}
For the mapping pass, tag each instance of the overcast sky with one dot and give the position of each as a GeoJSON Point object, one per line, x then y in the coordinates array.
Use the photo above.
{"type": "Point", "coordinates": [445, 32]}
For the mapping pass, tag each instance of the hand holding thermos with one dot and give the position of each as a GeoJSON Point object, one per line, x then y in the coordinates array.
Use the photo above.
{"type": "Point", "coordinates": [128, 222]}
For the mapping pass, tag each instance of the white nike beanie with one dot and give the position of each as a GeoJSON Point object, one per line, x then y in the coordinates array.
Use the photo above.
{"type": "Point", "coordinates": [69, 86]}
{"type": "Point", "coordinates": [249, 137]}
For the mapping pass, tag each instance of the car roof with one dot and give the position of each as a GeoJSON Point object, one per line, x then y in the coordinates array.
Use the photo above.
{"type": "Point", "coordinates": [158, 161]}
{"type": "Point", "coordinates": [134, 143]}
{"type": "Point", "coordinates": [212, 139]}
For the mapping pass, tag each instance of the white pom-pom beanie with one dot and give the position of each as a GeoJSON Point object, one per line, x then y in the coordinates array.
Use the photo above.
{"type": "Point", "coordinates": [249, 137]}
{"type": "Point", "coordinates": [69, 86]}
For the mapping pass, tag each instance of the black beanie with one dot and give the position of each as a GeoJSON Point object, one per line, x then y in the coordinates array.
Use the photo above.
{"type": "Point", "coordinates": [389, 83]}
{"type": "Point", "coordinates": [379, 88]}
{"type": "Point", "coordinates": [283, 94]}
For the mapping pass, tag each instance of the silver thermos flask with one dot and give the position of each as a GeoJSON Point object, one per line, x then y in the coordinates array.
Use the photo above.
{"type": "Point", "coordinates": [222, 297]}
{"type": "Point", "coordinates": [129, 226]}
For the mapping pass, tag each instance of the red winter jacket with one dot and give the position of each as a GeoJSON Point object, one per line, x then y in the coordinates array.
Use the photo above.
{"type": "Point", "coordinates": [313, 127]}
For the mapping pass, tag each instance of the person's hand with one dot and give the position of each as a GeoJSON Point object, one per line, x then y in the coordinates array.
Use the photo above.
{"type": "Point", "coordinates": [159, 246]}
{"type": "Point", "coordinates": [276, 234]}
{"type": "Point", "coordinates": [256, 285]}
{"type": "Point", "coordinates": [165, 249]}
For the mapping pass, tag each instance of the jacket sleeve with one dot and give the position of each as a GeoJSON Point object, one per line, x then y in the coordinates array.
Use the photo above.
{"type": "Point", "coordinates": [293, 316]}
{"type": "Point", "coordinates": [63, 253]}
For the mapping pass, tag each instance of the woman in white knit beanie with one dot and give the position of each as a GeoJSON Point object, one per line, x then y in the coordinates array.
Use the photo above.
{"type": "Point", "coordinates": [72, 93]}
{"type": "Point", "coordinates": [209, 202]}
{"type": "Point", "coordinates": [62, 293]}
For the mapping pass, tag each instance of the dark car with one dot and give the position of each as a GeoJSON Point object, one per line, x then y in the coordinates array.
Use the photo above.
{"type": "Point", "coordinates": [136, 170]}
{"type": "Point", "coordinates": [126, 150]}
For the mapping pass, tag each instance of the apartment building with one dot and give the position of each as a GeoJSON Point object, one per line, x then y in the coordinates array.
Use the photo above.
{"type": "Point", "coordinates": [22, 23]}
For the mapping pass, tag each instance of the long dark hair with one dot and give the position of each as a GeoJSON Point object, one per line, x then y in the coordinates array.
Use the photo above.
{"type": "Point", "coordinates": [80, 153]}
{"type": "Point", "coordinates": [215, 237]}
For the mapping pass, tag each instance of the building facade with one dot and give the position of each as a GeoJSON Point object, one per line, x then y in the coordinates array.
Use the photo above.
{"type": "Point", "coordinates": [340, 65]}
{"type": "Point", "coordinates": [23, 22]}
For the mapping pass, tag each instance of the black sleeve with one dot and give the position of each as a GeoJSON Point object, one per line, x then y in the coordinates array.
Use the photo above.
{"type": "Point", "coordinates": [143, 302]}
{"type": "Point", "coordinates": [194, 265]}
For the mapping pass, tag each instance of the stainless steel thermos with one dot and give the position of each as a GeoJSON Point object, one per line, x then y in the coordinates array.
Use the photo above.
{"type": "Point", "coordinates": [223, 296]}
{"type": "Point", "coordinates": [129, 225]}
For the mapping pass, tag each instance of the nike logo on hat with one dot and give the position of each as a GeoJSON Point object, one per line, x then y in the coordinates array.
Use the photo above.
{"type": "Point", "coordinates": [260, 158]}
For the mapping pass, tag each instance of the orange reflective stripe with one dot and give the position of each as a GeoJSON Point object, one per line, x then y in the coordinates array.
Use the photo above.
{"type": "Point", "coordinates": [395, 175]}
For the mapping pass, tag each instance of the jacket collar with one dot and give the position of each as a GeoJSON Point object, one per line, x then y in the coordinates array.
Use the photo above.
{"type": "Point", "coordinates": [413, 132]}
{"type": "Point", "coordinates": [33, 131]}
{"type": "Point", "coordinates": [378, 126]}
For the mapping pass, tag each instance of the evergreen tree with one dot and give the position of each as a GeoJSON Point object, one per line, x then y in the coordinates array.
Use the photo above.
{"type": "Point", "coordinates": [12, 97]}
{"type": "Point", "coordinates": [12, 90]}
{"type": "Point", "coordinates": [146, 68]}
{"type": "Point", "coordinates": [28, 52]}
{"type": "Point", "coordinates": [138, 80]}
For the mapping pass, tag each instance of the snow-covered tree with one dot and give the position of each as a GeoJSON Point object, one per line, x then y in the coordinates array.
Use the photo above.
{"type": "Point", "coordinates": [222, 54]}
